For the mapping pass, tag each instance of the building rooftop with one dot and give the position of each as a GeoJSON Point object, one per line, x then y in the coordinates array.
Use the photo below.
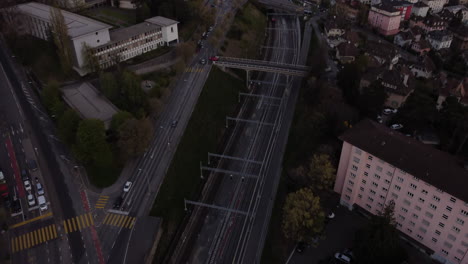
{"type": "Point", "coordinates": [128, 32]}
{"type": "Point", "coordinates": [77, 25]}
{"type": "Point", "coordinates": [440, 35]}
{"type": "Point", "coordinates": [87, 101]}
{"type": "Point", "coordinates": [387, 7]}
{"type": "Point", "coordinates": [347, 49]}
{"type": "Point", "coordinates": [161, 21]}
{"type": "Point", "coordinates": [433, 166]}
{"type": "Point", "coordinates": [420, 4]}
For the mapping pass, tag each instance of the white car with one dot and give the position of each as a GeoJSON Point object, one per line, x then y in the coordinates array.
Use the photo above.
{"type": "Point", "coordinates": [343, 258]}
{"type": "Point", "coordinates": [387, 111]}
{"type": "Point", "coordinates": [396, 126]}
{"type": "Point", "coordinates": [40, 190]}
{"type": "Point", "coordinates": [42, 203]}
{"type": "Point", "coordinates": [27, 186]}
{"type": "Point", "coordinates": [127, 186]}
{"type": "Point", "coordinates": [31, 200]}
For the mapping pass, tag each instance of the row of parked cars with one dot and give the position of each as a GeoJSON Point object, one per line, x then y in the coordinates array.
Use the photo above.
{"type": "Point", "coordinates": [389, 111]}
{"type": "Point", "coordinates": [39, 192]}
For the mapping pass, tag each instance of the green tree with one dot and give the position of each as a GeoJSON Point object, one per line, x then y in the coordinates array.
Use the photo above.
{"type": "Point", "coordinates": [303, 217]}
{"type": "Point", "coordinates": [371, 99]}
{"type": "Point", "coordinates": [321, 172]}
{"type": "Point", "coordinates": [50, 96]}
{"type": "Point", "coordinates": [135, 98]}
{"type": "Point", "coordinates": [60, 38]}
{"type": "Point", "coordinates": [348, 80]}
{"type": "Point", "coordinates": [109, 86]}
{"type": "Point", "coordinates": [135, 136]}
{"type": "Point", "coordinates": [68, 125]}
{"type": "Point", "coordinates": [420, 109]}
{"type": "Point", "coordinates": [379, 242]}
{"type": "Point", "coordinates": [119, 119]}
{"type": "Point", "coordinates": [91, 62]}
{"type": "Point", "coordinates": [91, 146]}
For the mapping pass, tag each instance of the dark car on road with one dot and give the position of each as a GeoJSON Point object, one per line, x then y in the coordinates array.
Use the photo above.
{"type": "Point", "coordinates": [118, 203]}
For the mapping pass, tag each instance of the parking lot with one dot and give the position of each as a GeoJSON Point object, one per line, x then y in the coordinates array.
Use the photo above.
{"type": "Point", "coordinates": [339, 235]}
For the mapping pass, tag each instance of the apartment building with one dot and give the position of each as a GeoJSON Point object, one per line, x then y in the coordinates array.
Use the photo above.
{"type": "Point", "coordinates": [440, 39]}
{"type": "Point", "coordinates": [109, 45]}
{"type": "Point", "coordinates": [385, 18]}
{"type": "Point", "coordinates": [36, 19]}
{"type": "Point", "coordinates": [135, 40]}
{"type": "Point", "coordinates": [379, 165]}
{"type": "Point", "coordinates": [420, 9]}
{"type": "Point", "coordinates": [435, 5]}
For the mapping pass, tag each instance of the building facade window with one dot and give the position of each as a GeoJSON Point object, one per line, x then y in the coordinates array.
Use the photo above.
{"type": "Point", "coordinates": [460, 221]}
{"type": "Point", "coordinates": [368, 166]}
{"type": "Point", "coordinates": [397, 187]}
{"type": "Point", "coordinates": [453, 199]}
{"type": "Point", "coordinates": [424, 192]}
{"type": "Point", "coordinates": [413, 186]}
{"type": "Point", "coordinates": [356, 159]}
{"type": "Point", "coordinates": [436, 198]}
{"type": "Point", "coordinates": [444, 216]}
{"type": "Point", "coordinates": [463, 212]}
{"type": "Point", "coordinates": [355, 168]}
{"type": "Point", "coordinates": [449, 208]}
{"type": "Point", "coordinates": [410, 194]}
{"type": "Point", "coordinates": [432, 206]}
{"type": "Point", "coordinates": [456, 229]}
{"type": "Point", "coordinates": [400, 179]}
{"type": "Point", "coordinates": [441, 224]}
{"type": "Point", "coordinates": [437, 232]}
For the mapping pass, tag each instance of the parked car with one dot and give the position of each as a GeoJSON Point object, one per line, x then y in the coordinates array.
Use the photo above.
{"type": "Point", "coordinates": [343, 258]}
{"type": "Point", "coordinates": [210, 28]}
{"type": "Point", "coordinates": [301, 246]}
{"type": "Point", "coordinates": [16, 206]}
{"type": "Point", "coordinates": [174, 123]}
{"type": "Point", "coordinates": [27, 186]}
{"type": "Point", "coordinates": [32, 165]}
{"type": "Point", "coordinates": [40, 190]}
{"type": "Point", "coordinates": [31, 200]}
{"type": "Point", "coordinates": [202, 61]}
{"type": "Point", "coordinates": [396, 126]}
{"type": "Point", "coordinates": [24, 175]}
{"type": "Point", "coordinates": [127, 186]}
{"type": "Point", "coordinates": [42, 203]}
{"type": "Point", "coordinates": [331, 215]}
{"type": "Point", "coordinates": [387, 111]}
{"type": "Point", "coordinates": [214, 58]}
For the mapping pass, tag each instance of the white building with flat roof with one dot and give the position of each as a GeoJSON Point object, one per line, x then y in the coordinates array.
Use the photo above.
{"type": "Point", "coordinates": [80, 29]}
{"type": "Point", "coordinates": [123, 43]}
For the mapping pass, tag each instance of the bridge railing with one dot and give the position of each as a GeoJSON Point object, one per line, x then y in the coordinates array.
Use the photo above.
{"type": "Point", "coordinates": [267, 68]}
{"type": "Point", "coordinates": [262, 62]}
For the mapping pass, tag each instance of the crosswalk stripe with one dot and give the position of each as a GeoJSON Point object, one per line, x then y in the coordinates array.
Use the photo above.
{"type": "Point", "coordinates": [78, 223]}
{"type": "Point", "coordinates": [33, 239]}
{"type": "Point", "coordinates": [86, 219]}
{"type": "Point", "coordinates": [51, 232]}
{"type": "Point", "coordinates": [46, 231]}
{"type": "Point", "coordinates": [28, 243]}
{"type": "Point", "coordinates": [74, 224]}
{"type": "Point", "coordinates": [20, 242]}
{"type": "Point", "coordinates": [83, 220]}
{"type": "Point", "coordinates": [132, 223]}
{"type": "Point", "coordinates": [54, 230]}
{"type": "Point", "coordinates": [80, 220]}
{"type": "Point", "coordinates": [65, 226]}
{"type": "Point", "coordinates": [120, 220]}
{"type": "Point", "coordinates": [127, 221]}
{"type": "Point", "coordinates": [114, 221]}
{"type": "Point", "coordinates": [105, 219]}
{"type": "Point", "coordinates": [91, 220]}
{"type": "Point", "coordinates": [41, 235]}
{"type": "Point", "coordinates": [117, 220]}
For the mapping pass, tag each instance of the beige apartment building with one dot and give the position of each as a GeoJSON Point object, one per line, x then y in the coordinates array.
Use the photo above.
{"type": "Point", "coordinates": [429, 187]}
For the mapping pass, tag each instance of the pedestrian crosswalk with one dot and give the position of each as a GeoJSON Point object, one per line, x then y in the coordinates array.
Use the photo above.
{"type": "Point", "coordinates": [102, 201]}
{"type": "Point", "coordinates": [77, 223]}
{"type": "Point", "coordinates": [28, 96]}
{"type": "Point", "coordinates": [33, 238]}
{"type": "Point", "coordinates": [120, 220]}
{"type": "Point", "coordinates": [193, 69]}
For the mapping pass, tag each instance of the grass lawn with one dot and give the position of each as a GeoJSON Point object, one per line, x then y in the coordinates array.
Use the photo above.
{"type": "Point", "coordinates": [40, 56]}
{"type": "Point", "coordinates": [202, 135]}
{"type": "Point", "coordinates": [247, 33]}
{"type": "Point", "coordinates": [113, 15]}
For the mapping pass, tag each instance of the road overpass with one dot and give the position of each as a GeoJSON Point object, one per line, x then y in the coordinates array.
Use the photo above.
{"type": "Point", "coordinates": [283, 5]}
{"type": "Point", "coordinates": [260, 65]}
